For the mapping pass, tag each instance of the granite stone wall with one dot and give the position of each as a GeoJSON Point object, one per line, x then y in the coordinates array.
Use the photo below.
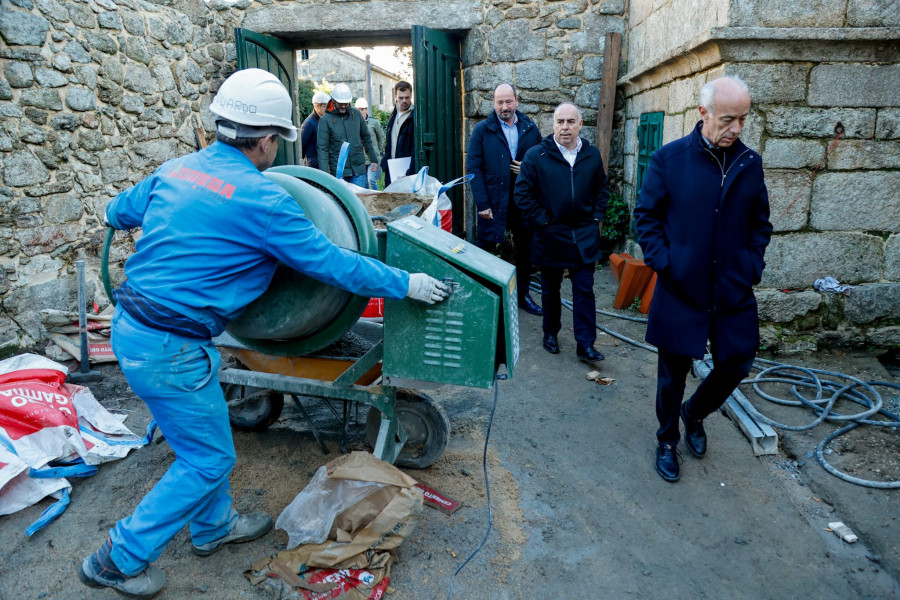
{"type": "Point", "coordinates": [95, 94]}
{"type": "Point", "coordinates": [836, 215]}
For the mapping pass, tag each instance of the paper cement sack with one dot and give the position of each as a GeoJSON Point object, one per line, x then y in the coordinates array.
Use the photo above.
{"type": "Point", "coordinates": [353, 563]}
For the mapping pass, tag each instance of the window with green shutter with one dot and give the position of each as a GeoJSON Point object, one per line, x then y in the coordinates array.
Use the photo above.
{"type": "Point", "coordinates": [650, 133]}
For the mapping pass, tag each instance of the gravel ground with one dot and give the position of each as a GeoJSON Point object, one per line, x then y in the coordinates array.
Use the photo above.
{"type": "Point", "coordinates": [578, 510]}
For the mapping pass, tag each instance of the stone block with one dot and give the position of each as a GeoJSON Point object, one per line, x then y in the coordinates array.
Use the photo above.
{"type": "Point", "coordinates": [136, 49]}
{"type": "Point", "coordinates": [795, 121]}
{"type": "Point", "coordinates": [868, 303]}
{"type": "Point", "coordinates": [55, 292]}
{"type": "Point", "coordinates": [538, 75]}
{"type": "Point", "coordinates": [884, 336]}
{"type": "Point", "coordinates": [888, 126]}
{"type": "Point", "coordinates": [19, 28]}
{"type": "Point", "coordinates": [857, 201]}
{"type": "Point", "coordinates": [873, 13]}
{"type": "Point", "coordinates": [80, 99]}
{"type": "Point", "coordinates": [5, 90]}
{"type": "Point", "coordinates": [53, 10]}
{"type": "Point", "coordinates": [684, 94]}
{"type": "Point", "coordinates": [162, 72]}
{"type": "Point", "coordinates": [473, 48]}
{"type": "Point", "coordinates": [588, 96]}
{"type": "Point", "coordinates": [796, 260]}
{"type": "Point", "coordinates": [64, 121]}
{"type": "Point", "coordinates": [854, 85]}
{"type": "Point", "coordinates": [109, 20]}
{"type": "Point", "coordinates": [611, 7]}
{"type": "Point", "coordinates": [789, 194]}
{"type": "Point", "coordinates": [18, 74]}
{"type": "Point", "coordinates": [100, 42]}
{"type": "Point", "coordinates": [892, 258]}
{"type": "Point", "coordinates": [673, 126]}
{"type": "Point", "coordinates": [513, 41]}
{"type": "Point", "coordinates": [139, 79]}
{"type": "Point", "coordinates": [112, 69]}
{"type": "Point", "coordinates": [31, 134]}
{"type": "Point", "coordinates": [133, 23]}
{"type": "Point", "coordinates": [487, 77]}
{"type": "Point", "coordinates": [864, 154]}
{"type": "Point", "coordinates": [153, 153]}
{"type": "Point", "coordinates": [781, 307]}
{"type": "Point", "coordinates": [82, 15]}
{"type": "Point", "coordinates": [62, 62]}
{"type": "Point", "coordinates": [91, 140]}
{"type": "Point", "coordinates": [631, 139]}
{"type": "Point", "coordinates": [772, 83]}
{"type": "Point", "coordinates": [22, 169]}
{"type": "Point", "coordinates": [77, 52]}
{"type": "Point", "coordinates": [792, 153]}
{"type": "Point", "coordinates": [776, 13]}
{"type": "Point", "coordinates": [62, 208]}
{"type": "Point", "coordinates": [49, 78]}
{"type": "Point", "coordinates": [114, 166]}
{"type": "Point", "coordinates": [593, 68]}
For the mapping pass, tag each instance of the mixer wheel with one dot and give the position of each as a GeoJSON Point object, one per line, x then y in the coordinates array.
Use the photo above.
{"type": "Point", "coordinates": [251, 408]}
{"type": "Point", "coordinates": [425, 424]}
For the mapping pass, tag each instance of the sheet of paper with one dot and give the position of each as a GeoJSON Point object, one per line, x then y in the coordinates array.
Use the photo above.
{"type": "Point", "coordinates": [398, 167]}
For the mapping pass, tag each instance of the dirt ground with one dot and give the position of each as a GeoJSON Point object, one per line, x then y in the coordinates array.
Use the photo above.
{"type": "Point", "coordinates": [578, 510]}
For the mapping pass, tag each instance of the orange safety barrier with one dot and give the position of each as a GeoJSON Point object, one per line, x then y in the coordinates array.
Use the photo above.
{"type": "Point", "coordinates": [635, 277]}
{"type": "Point", "coordinates": [617, 264]}
{"type": "Point", "coordinates": [647, 296]}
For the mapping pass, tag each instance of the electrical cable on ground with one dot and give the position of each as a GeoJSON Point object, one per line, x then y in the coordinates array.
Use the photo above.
{"type": "Point", "coordinates": [487, 486]}
{"type": "Point", "coordinates": [775, 372]}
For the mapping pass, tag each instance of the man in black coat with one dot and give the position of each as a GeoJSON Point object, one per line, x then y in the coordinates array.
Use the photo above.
{"type": "Point", "coordinates": [400, 134]}
{"type": "Point", "coordinates": [495, 152]}
{"type": "Point", "coordinates": [562, 192]}
{"type": "Point", "coordinates": [702, 220]}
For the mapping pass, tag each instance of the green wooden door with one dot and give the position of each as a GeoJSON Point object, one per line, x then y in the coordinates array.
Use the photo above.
{"type": "Point", "coordinates": [437, 84]}
{"type": "Point", "coordinates": [275, 56]}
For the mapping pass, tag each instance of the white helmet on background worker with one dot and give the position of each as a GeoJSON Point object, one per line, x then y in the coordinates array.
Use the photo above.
{"type": "Point", "coordinates": [257, 99]}
{"type": "Point", "coordinates": [320, 97]}
{"type": "Point", "coordinates": [361, 103]}
{"type": "Point", "coordinates": [341, 93]}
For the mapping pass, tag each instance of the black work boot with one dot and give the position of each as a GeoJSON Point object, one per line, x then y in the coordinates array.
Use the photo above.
{"type": "Point", "coordinates": [694, 434]}
{"type": "Point", "coordinates": [99, 570]}
{"type": "Point", "coordinates": [667, 461]}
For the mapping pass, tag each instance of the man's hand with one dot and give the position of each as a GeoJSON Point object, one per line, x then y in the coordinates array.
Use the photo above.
{"type": "Point", "coordinates": [486, 214]}
{"type": "Point", "coordinates": [426, 288]}
{"type": "Point", "coordinates": [514, 166]}
{"type": "Point", "coordinates": [373, 167]}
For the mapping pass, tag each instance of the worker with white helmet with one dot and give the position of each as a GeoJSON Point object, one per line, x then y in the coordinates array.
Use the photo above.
{"type": "Point", "coordinates": [377, 133]}
{"type": "Point", "coordinates": [309, 130]}
{"type": "Point", "coordinates": [343, 123]}
{"type": "Point", "coordinates": [214, 229]}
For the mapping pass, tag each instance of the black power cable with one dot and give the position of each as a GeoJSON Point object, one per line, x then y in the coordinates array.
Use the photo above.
{"type": "Point", "coordinates": [487, 486]}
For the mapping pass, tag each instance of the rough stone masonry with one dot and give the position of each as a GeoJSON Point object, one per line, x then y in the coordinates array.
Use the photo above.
{"type": "Point", "coordinates": [95, 94]}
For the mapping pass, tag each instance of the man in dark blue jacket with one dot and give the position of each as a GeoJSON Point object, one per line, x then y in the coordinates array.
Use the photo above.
{"type": "Point", "coordinates": [495, 152]}
{"type": "Point", "coordinates": [706, 244]}
{"type": "Point", "coordinates": [400, 133]}
{"type": "Point", "coordinates": [309, 130]}
{"type": "Point", "coordinates": [562, 191]}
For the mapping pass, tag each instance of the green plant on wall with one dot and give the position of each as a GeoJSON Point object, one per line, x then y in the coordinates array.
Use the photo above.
{"type": "Point", "coordinates": [305, 91]}
{"type": "Point", "coordinates": [616, 221]}
{"type": "Point", "coordinates": [382, 116]}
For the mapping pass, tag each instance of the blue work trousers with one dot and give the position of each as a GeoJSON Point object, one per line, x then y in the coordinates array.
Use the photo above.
{"type": "Point", "coordinates": [584, 304]}
{"type": "Point", "coordinates": [177, 378]}
{"type": "Point", "coordinates": [358, 180]}
{"type": "Point", "coordinates": [371, 178]}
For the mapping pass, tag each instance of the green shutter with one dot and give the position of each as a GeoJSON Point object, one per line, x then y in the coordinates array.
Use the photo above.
{"type": "Point", "coordinates": [650, 133]}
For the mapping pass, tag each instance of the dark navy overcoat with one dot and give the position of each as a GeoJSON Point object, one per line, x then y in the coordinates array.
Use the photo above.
{"type": "Point", "coordinates": [565, 204]}
{"type": "Point", "coordinates": [704, 230]}
{"type": "Point", "coordinates": [488, 159]}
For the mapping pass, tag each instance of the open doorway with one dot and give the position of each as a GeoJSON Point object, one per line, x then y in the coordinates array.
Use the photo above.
{"type": "Point", "coordinates": [437, 88]}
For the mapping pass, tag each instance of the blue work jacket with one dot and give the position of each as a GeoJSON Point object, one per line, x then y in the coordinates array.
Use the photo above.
{"type": "Point", "coordinates": [488, 159]}
{"type": "Point", "coordinates": [704, 230]}
{"type": "Point", "coordinates": [215, 228]}
{"type": "Point", "coordinates": [565, 204]}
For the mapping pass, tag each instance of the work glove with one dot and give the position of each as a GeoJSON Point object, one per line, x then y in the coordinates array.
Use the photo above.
{"type": "Point", "coordinates": [426, 288]}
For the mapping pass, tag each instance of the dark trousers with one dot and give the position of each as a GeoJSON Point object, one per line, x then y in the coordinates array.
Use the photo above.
{"type": "Point", "coordinates": [584, 315]}
{"type": "Point", "coordinates": [710, 395]}
{"type": "Point", "coordinates": [515, 249]}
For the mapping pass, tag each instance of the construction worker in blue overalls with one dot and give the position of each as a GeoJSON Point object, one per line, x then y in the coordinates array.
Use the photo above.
{"type": "Point", "coordinates": [214, 229]}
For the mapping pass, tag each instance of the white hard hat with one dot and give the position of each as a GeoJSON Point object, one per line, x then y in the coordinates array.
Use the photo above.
{"type": "Point", "coordinates": [361, 103]}
{"type": "Point", "coordinates": [341, 93]}
{"type": "Point", "coordinates": [320, 97]}
{"type": "Point", "coordinates": [255, 98]}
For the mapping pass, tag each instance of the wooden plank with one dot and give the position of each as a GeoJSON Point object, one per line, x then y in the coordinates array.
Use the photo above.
{"type": "Point", "coordinates": [607, 105]}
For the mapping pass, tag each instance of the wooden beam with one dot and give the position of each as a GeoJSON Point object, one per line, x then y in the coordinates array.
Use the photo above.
{"type": "Point", "coordinates": [607, 105]}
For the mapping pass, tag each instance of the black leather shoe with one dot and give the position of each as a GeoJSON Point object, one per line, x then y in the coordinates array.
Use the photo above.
{"type": "Point", "coordinates": [667, 461]}
{"type": "Point", "coordinates": [551, 345]}
{"type": "Point", "coordinates": [529, 306]}
{"type": "Point", "coordinates": [694, 434]}
{"type": "Point", "coordinates": [588, 354]}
